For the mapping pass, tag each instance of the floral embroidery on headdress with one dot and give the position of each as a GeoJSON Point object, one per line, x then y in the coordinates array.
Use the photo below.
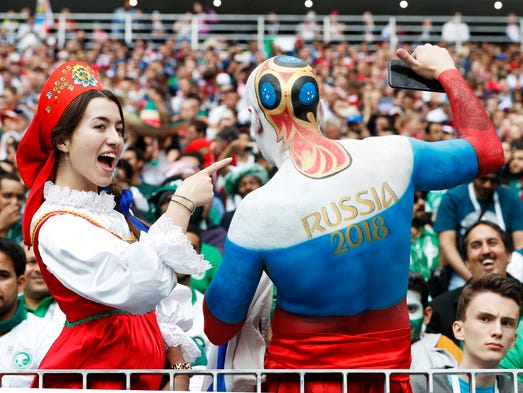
{"type": "Point", "coordinates": [71, 75]}
{"type": "Point", "coordinates": [83, 76]}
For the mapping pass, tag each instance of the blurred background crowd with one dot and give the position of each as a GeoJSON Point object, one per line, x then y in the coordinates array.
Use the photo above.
{"type": "Point", "coordinates": [185, 108]}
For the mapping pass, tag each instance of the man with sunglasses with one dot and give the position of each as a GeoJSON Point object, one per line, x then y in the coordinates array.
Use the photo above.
{"type": "Point", "coordinates": [482, 199]}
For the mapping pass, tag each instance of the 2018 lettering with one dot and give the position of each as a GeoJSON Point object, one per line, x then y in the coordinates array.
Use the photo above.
{"type": "Point", "coordinates": [356, 234]}
{"type": "Point", "coordinates": [348, 208]}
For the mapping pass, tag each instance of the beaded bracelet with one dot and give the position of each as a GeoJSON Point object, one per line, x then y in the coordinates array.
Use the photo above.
{"type": "Point", "coordinates": [193, 207]}
{"type": "Point", "coordinates": [183, 205]}
{"type": "Point", "coordinates": [181, 366]}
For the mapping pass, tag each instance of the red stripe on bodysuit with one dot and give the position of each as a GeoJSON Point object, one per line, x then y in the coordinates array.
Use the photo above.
{"type": "Point", "coordinates": [472, 122]}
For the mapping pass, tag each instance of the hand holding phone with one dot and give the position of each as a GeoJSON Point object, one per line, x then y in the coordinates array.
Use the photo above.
{"type": "Point", "coordinates": [401, 76]}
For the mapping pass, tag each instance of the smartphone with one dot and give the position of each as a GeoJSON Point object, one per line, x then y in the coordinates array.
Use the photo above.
{"type": "Point", "coordinates": [401, 76]}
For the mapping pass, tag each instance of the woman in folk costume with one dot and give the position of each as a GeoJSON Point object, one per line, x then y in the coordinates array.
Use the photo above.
{"type": "Point", "coordinates": [332, 227]}
{"type": "Point", "coordinates": [105, 274]}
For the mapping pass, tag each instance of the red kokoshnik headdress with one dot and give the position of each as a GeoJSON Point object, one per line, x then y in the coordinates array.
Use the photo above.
{"type": "Point", "coordinates": [35, 155]}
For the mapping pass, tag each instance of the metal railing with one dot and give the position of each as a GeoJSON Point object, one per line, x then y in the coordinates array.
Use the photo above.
{"type": "Point", "coordinates": [257, 376]}
{"type": "Point", "coordinates": [243, 29]}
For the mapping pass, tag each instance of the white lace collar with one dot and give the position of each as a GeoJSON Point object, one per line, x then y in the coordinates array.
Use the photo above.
{"type": "Point", "coordinates": [66, 197]}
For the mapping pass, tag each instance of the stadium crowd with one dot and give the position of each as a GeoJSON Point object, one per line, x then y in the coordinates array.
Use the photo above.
{"type": "Point", "coordinates": [185, 109]}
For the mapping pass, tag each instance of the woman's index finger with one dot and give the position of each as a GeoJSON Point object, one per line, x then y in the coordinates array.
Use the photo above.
{"type": "Point", "coordinates": [217, 166]}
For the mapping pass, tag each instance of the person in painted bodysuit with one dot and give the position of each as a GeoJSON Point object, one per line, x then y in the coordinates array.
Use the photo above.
{"type": "Point", "coordinates": [332, 227]}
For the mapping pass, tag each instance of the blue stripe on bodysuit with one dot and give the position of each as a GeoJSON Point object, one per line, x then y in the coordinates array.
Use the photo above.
{"type": "Point", "coordinates": [372, 275]}
{"type": "Point", "coordinates": [443, 165]}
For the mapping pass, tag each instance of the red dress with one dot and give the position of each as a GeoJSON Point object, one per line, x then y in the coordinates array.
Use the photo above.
{"type": "Point", "coordinates": [96, 336]}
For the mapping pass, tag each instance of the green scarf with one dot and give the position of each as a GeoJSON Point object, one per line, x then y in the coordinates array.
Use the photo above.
{"type": "Point", "coordinates": [193, 298]}
{"type": "Point", "coordinates": [19, 316]}
{"type": "Point", "coordinates": [42, 307]}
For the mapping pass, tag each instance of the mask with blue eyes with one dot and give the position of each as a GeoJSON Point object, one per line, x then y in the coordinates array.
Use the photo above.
{"type": "Point", "coordinates": [287, 94]}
